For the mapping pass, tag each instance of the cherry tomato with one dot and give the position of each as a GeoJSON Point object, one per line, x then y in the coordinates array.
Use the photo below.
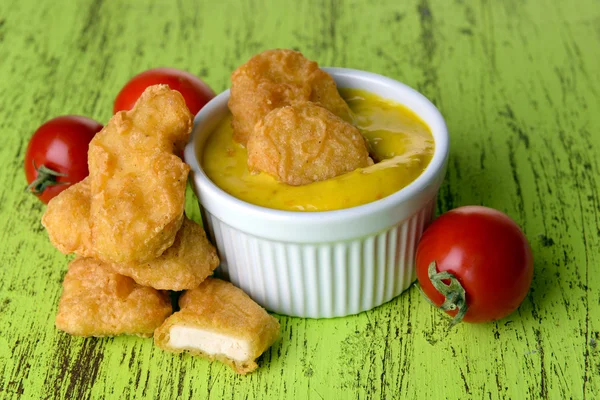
{"type": "Point", "coordinates": [56, 155]}
{"type": "Point", "coordinates": [195, 92]}
{"type": "Point", "coordinates": [474, 263]}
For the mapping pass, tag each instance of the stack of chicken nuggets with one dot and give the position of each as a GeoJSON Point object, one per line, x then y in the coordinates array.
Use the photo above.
{"type": "Point", "coordinates": [294, 123]}
{"type": "Point", "coordinates": [126, 224]}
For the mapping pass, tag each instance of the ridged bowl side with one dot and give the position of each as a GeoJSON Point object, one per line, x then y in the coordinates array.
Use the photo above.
{"type": "Point", "coordinates": [320, 280]}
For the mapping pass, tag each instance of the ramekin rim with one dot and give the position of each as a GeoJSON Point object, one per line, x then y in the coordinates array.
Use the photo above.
{"type": "Point", "coordinates": [436, 164]}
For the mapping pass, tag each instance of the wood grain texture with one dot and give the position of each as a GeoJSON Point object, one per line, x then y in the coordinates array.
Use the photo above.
{"type": "Point", "coordinates": [519, 85]}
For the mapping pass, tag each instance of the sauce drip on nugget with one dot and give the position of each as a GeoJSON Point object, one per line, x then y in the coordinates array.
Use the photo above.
{"type": "Point", "coordinates": [289, 114]}
{"type": "Point", "coordinates": [278, 78]}
{"type": "Point", "coordinates": [305, 143]}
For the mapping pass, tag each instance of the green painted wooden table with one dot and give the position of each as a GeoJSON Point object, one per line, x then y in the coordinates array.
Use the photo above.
{"type": "Point", "coordinates": [519, 85]}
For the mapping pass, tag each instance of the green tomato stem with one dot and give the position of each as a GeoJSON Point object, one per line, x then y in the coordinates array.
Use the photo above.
{"type": "Point", "coordinates": [454, 294]}
{"type": "Point", "coordinates": [46, 177]}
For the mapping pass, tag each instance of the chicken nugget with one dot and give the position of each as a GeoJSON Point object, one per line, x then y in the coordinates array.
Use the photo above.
{"type": "Point", "coordinates": [98, 302]}
{"type": "Point", "coordinates": [220, 322]}
{"type": "Point", "coordinates": [305, 143]}
{"type": "Point", "coordinates": [137, 182]}
{"type": "Point", "coordinates": [182, 266]}
{"type": "Point", "coordinates": [66, 220]}
{"type": "Point", "coordinates": [277, 78]}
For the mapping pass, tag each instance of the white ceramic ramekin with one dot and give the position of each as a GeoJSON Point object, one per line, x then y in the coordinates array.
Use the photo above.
{"type": "Point", "coordinates": [322, 264]}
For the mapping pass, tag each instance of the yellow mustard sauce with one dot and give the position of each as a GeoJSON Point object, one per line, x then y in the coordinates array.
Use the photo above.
{"type": "Point", "coordinates": [399, 141]}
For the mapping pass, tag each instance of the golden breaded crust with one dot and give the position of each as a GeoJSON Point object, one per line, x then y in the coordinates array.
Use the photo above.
{"type": "Point", "coordinates": [305, 143]}
{"type": "Point", "coordinates": [98, 302]}
{"type": "Point", "coordinates": [182, 266]}
{"type": "Point", "coordinates": [66, 220]}
{"type": "Point", "coordinates": [220, 307]}
{"type": "Point", "coordinates": [277, 78]}
{"type": "Point", "coordinates": [137, 183]}
{"type": "Point", "coordinates": [190, 260]}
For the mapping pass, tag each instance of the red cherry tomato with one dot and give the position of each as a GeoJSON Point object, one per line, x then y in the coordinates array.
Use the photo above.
{"type": "Point", "coordinates": [482, 251]}
{"type": "Point", "coordinates": [195, 92]}
{"type": "Point", "coordinates": [56, 155]}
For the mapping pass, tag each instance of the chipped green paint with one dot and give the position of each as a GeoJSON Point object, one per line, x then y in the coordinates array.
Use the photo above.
{"type": "Point", "coordinates": [519, 84]}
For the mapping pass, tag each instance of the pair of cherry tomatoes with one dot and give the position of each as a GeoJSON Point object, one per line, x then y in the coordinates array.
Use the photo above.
{"type": "Point", "coordinates": [56, 156]}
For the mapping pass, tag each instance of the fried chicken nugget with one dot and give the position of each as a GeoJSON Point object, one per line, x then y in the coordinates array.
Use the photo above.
{"type": "Point", "coordinates": [137, 182]}
{"type": "Point", "coordinates": [218, 321]}
{"type": "Point", "coordinates": [305, 143]}
{"type": "Point", "coordinates": [277, 78]}
{"type": "Point", "coordinates": [182, 266]}
{"type": "Point", "coordinates": [98, 302]}
{"type": "Point", "coordinates": [187, 263]}
{"type": "Point", "coordinates": [66, 220]}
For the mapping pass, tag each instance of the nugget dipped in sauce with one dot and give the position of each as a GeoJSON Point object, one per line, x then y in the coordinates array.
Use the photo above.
{"type": "Point", "coordinates": [220, 322]}
{"type": "Point", "coordinates": [98, 302]}
{"type": "Point", "coordinates": [278, 78]}
{"type": "Point", "coordinates": [304, 143]}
